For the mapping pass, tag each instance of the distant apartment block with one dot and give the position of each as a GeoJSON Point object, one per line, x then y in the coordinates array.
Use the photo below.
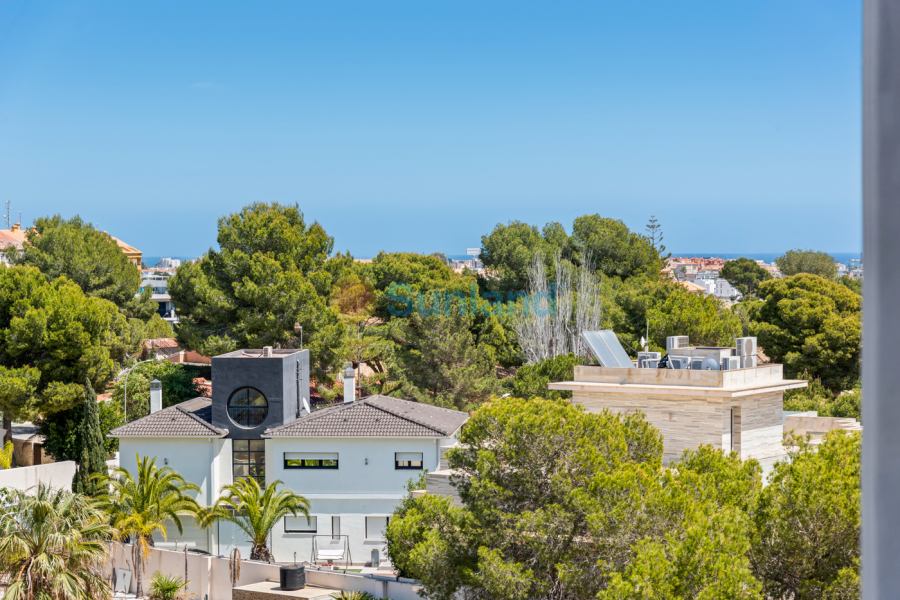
{"type": "Point", "coordinates": [168, 263]}
{"type": "Point", "coordinates": [158, 283]}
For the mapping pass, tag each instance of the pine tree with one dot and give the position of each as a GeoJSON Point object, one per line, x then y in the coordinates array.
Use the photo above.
{"type": "Point", "coordinates": [92, 451]}
{"type": "Point", "coordinates": [654, 235]}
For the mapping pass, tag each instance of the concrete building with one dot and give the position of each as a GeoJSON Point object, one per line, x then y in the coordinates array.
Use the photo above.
{"type": "Point", "coordinates": [739, 409]}
{"type": "Point", "coordinates": [168, 263]}
{"type": "Point", "coordinates": [350, 460]}
{"type": "Point", "coordinates": [159, 286]}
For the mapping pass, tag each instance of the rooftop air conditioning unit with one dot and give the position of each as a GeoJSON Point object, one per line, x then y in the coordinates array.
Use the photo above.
{"type": "Point", "coordinates": [705, 363]}
{"type": "Point", "coordinates": [730, 363]}
{"type": "Point", "coordinates": [679, 362]}
{"type": "Point", "coordinates": [745, 346]}
{"type": "Point", "coordinates": [677, 341]}
{"type": "Point", "coordinates": [645, 357]}
{"type": "Point", "coordinates": [748, 362]}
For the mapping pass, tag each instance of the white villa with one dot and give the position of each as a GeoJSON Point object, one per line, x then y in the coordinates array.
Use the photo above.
{"type": "Point", "coordinates": [351, 460]}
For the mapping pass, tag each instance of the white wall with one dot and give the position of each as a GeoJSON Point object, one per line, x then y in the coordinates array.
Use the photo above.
{"type": "Point", "coordinates": [205, 462]}
{"type": "Point", "coordinates": [352, 514]}
{"type": "Point", "coordinates": [353, 491]}
{"type": "Point", "coordinates": [209, 575]}
{"type": "Point", "coordinates": [353, 475]}
{"type": "Point", "coordinates": [57, 475]}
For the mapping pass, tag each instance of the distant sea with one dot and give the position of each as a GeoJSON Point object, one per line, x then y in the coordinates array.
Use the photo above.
{"type": "Point", "coordinates": [841, 257]}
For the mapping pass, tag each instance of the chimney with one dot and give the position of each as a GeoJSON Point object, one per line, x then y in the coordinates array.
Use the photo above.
{"type": "Point", "coordinates": [155, 396]}
{"type": "Point", "coordinates": [16, 227]}
{"type": "Point", "coordinates": [267, 351]}
{"type": "Point", "coordinates": [349, 383]}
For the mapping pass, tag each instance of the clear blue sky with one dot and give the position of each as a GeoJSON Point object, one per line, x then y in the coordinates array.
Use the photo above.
{"type": "Point", "coordinates": [419, 125]}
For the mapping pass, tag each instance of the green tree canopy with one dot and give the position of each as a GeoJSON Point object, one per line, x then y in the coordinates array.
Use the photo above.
{"type": "Point", "coordinates": [90, 258]}
{"type": "Point", "coordinates": [256, 511]}
{"type": "Point", "coordinates": [437, 361]}
{"type": "Point", "coordinates": [404, 274]}
{"type": "Point", "coordinates": [92, 461]}
{"type": "Point", "coordinates": [807, 521]}
{"type": "Point", "coordinates": [671, 310]}
{"type": "Point", "coordinates": [560, 503]}
{"type": "Point", "coordinates": [280, 232]}
{"type": "Point", "coordinates": [816, 397]}
{"type": "Point", "coordinates": [270, 273]}
{"type": "Point", "coordinates": [156, 327]}
{"type": "Point", "coordinates": [53, 544]}
{"type": "Point", "coordinates": [794, 262]}
{"type": "Point", "coordinates": [509, 249]}
{"type": "Point", "coordinates": [811, 325]}
{"type": "Point", "coordinates": [744, 274]}
{"type": "Point", "coordinates": [531, 380]}
{"type": "Point", "coordinates": [178, 385]}
{"type": "Point", "coordinates": [851, 283]}
{"type": "Point", "coordinates": [616, 250]}
{"type": "Point", "coordinates": [150, 501]}
{"type": "Point", "coordinates": [52, 339]}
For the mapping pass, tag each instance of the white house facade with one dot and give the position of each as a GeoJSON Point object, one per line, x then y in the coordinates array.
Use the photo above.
{"type": "Point", "coordinates": [352, 461]}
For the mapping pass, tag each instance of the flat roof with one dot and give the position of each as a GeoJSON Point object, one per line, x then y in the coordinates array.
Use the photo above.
{"type": "Point", "coordinates": [679, 382]}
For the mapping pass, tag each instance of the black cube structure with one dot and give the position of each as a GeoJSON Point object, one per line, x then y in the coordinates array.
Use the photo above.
{"type": "Point", "coordinates": [256, 390]}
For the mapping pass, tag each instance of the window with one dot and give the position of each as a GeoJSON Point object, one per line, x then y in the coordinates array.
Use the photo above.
{"type": "Point", "coordinates": [248, 407]}
{"type": "Point", "coordinates": [300, 525]}
{"type": "Point", "coordinates": [335, 527]}
{"type": "Point", "coordinates": [249, 460]}
{"type": "Point", "coordinates": [375, 527]}
{"type": "Point", "coordinates": [310, 460]}
{"type": "Point", "coordinates": [408, 460]}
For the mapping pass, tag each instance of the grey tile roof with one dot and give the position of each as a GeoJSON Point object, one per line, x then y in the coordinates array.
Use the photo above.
{"type": "Point", "coordinates": [375, 416]}
{"type": "Point", "coordinates": [190, 418]}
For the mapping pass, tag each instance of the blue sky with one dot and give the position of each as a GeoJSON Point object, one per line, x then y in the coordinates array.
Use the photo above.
{"type": "Point", "coordinates": [418, 126]}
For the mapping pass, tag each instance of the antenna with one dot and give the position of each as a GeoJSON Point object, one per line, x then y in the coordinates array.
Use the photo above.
{"type": "Point", "coordinates": [7, 214]}
{"type": "Point", "coordinates": [647, 343]}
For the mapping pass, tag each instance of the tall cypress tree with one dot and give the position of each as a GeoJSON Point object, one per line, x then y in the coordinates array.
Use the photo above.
{"type": "Point", "coordinates": [92, 452]}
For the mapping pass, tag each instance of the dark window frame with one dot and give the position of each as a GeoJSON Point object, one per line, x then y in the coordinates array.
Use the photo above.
{"type": "Point", "coordinates": [251, 454]}
{"type": "Point", "coordinates": [409, 465]}
{"type": "Point", "coordinates": [311, 460]}
{"type": "Point", "coordinates": [412, 466]}
{"type": "Point", "coordinates": [248, 409]}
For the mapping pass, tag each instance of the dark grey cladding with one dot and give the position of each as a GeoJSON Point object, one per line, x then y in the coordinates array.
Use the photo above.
{"type": "Point", "coordinates": [283, 378]}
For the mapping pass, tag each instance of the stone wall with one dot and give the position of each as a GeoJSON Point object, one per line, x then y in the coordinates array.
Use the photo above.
{"type": "Point", "coordinates": [685, 422]}
{"type": "Point", "coordinates": [761, 428]}
{"type": "Point", "coordinates": [689, 421]}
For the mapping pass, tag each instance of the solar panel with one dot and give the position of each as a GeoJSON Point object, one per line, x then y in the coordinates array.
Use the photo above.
{"type": "Point", "coordinates": [615, 346]}
{"type": "Point", "coordinates": [605, 347]}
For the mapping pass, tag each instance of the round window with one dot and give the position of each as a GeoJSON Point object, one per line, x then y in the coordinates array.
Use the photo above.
{"type": "Point", "coordinates": [248, 407]}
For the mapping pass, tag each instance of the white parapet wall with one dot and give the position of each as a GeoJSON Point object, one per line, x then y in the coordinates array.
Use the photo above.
{"type": "Point", "coordinates": [210, 580]}
{"type": "Point", "coordinates": [57, 475]}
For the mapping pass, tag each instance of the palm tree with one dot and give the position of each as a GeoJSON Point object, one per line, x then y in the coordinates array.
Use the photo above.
{"type": "Point", "coordinates": [256, 511]}
{"type": "Point", "coordinates": [142, 506]}
{"type": "Point", "coordinates": [52, 545]}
